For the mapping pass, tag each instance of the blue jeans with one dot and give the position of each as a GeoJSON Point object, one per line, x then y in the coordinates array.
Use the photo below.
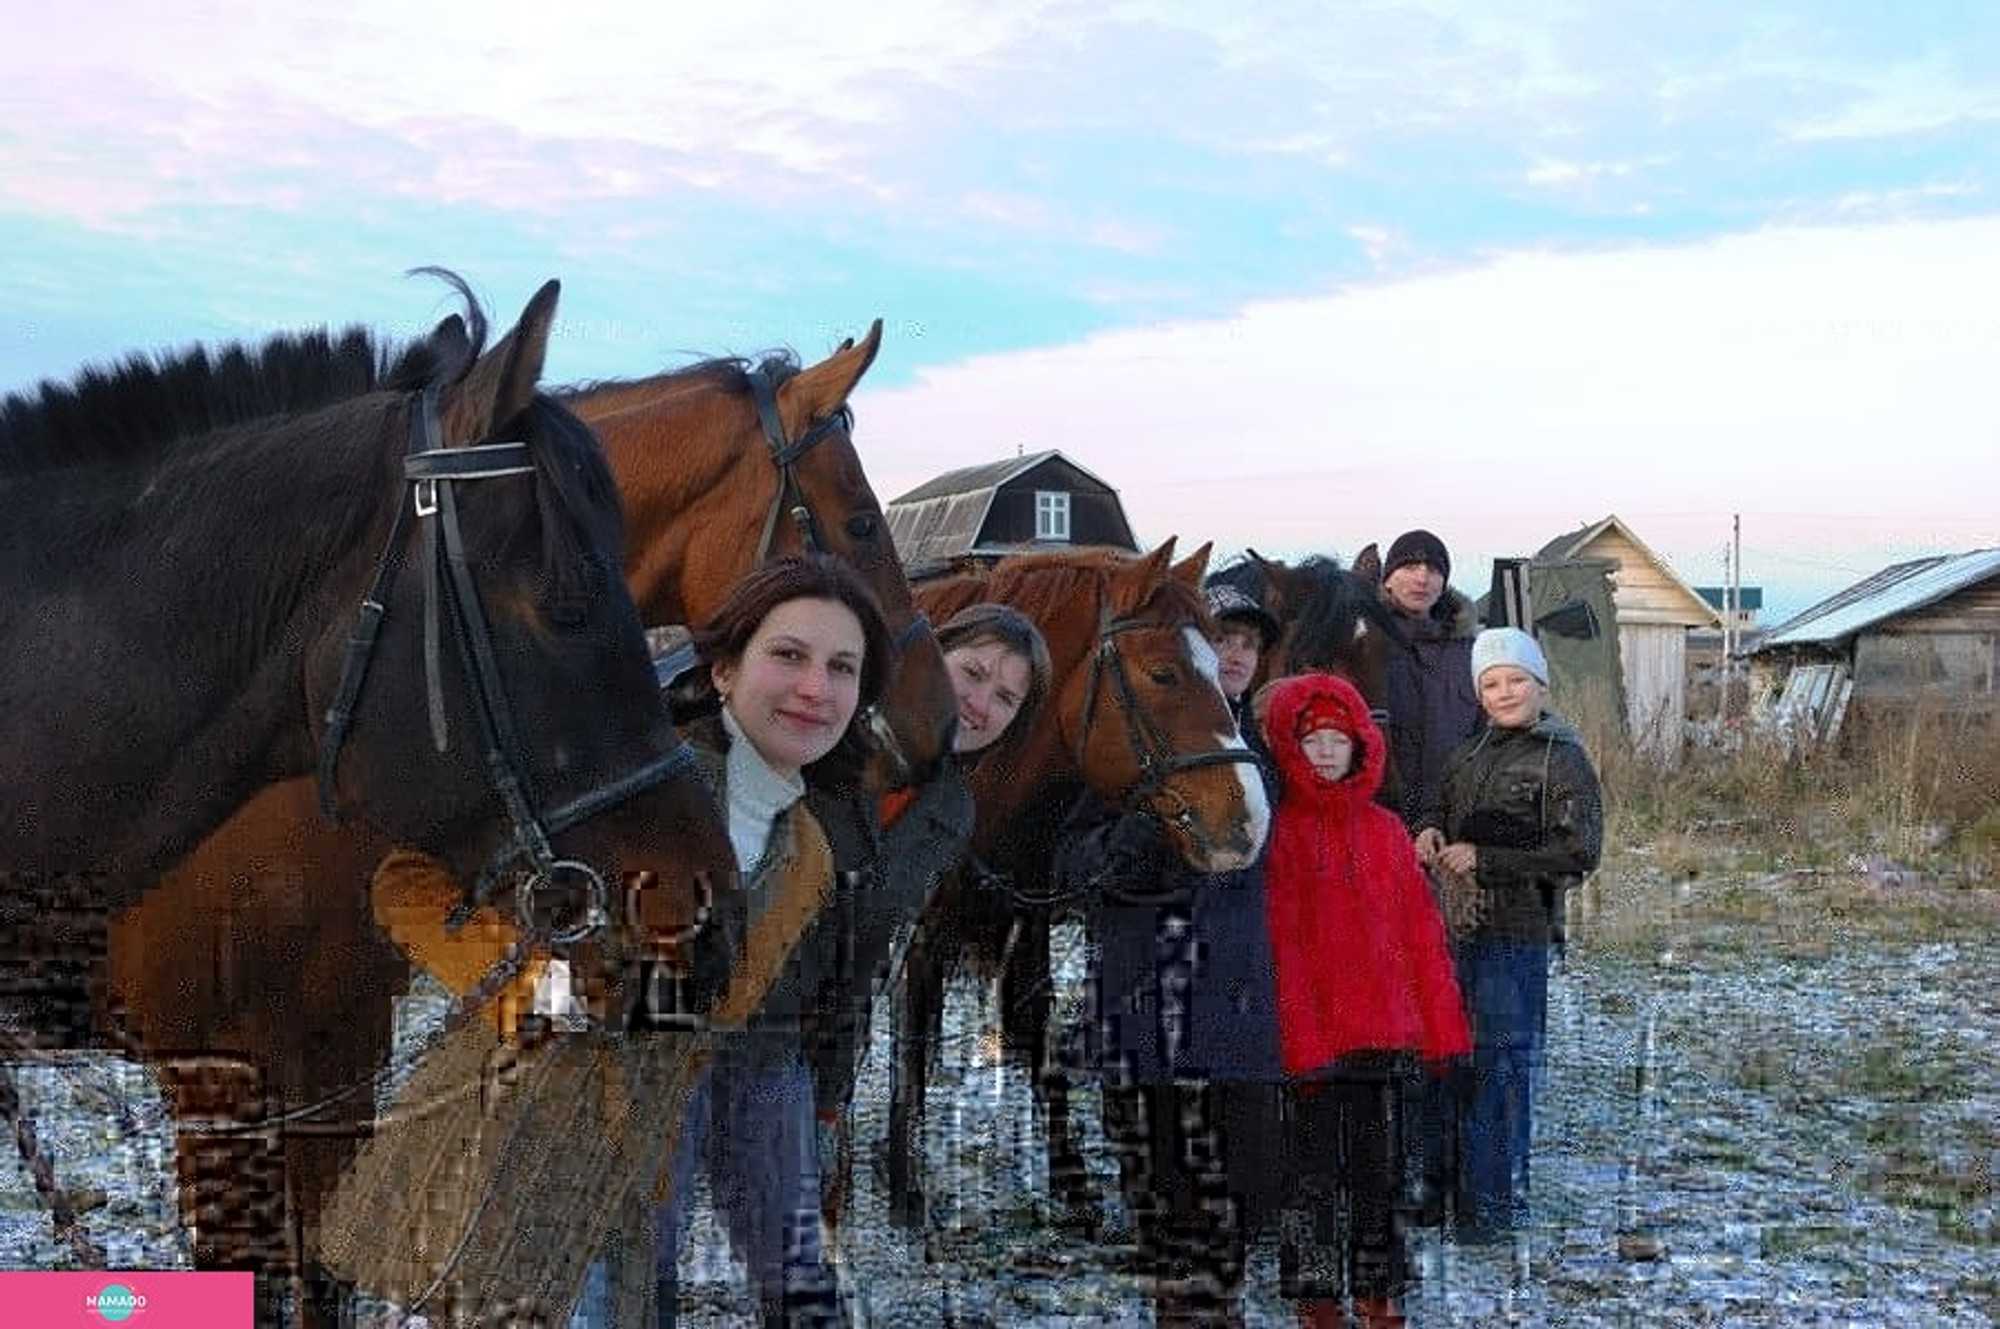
{"type": "Point", "coordinates": [1506, 990]}
{"type": "Point", "coordinates": [755, 1131]}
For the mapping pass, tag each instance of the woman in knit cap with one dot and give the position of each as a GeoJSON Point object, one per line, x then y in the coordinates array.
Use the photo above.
{"type": "Point", "coordinates": [1366, 993]}
{"type": "Point", "coordinates": [1522, 816]}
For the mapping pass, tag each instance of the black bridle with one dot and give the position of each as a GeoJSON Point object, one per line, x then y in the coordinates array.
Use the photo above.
{"type": "Point", "coordinates": [434, 473]}
{"type": "Point", "coordinates": [1159, 762]}
{"type": "Point", "coordinates": [791, 497]}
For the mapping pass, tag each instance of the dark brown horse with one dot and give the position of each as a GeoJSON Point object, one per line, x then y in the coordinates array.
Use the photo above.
{"type": "Point", "coordinates": [1332, 618]}
{"type": "Point", "coordinates": [1136, 715]}
{"type": "Point", "coordinates": [719, 464]}
{"type": "Point", "coordinates": [223, 571]}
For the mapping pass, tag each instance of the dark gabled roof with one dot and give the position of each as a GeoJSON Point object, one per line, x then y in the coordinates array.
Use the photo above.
{"type": "Point", "coordinates": [942, 518]}
{"type": "Point", "coordinates": [981, 479]}
{"type": "Point", "coordinates": [1895, 590]}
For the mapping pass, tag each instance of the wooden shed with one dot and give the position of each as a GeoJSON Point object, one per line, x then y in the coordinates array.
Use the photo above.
{"type": "Point", "coordinates": [1038, 501]}
{"type": "Point", "coordinates": [1925, 632]}
{"type": "Point", "coordinates": [1654, 610]}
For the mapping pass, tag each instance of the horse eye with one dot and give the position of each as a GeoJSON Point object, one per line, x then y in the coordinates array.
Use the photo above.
{"type": "Point", "coordinates": [1165, 676]}
{"type": "Point", "coordinates": [862, 526]}
{"type": "Point", "coordinates": [567, 615]}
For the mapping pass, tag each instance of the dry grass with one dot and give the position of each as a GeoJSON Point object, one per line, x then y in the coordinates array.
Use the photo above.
{"type": "Point", "coordinates": [1898, 827]}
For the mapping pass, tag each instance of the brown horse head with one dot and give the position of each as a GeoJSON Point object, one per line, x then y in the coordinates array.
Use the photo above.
{"type": "Point", "coordinates": [1137, 713]}
{"type": "Point", "coordinates": [723, 465]}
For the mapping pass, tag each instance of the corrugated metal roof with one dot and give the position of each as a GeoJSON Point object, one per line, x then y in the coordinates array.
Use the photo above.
{"type": "Point", "coordinates": [930, 529]}
{"type": "Point", "coordinates": [1894, 590]}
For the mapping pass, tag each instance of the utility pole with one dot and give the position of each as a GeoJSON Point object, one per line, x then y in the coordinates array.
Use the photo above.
{"type": "Point", "coordinates": [1732, 599]}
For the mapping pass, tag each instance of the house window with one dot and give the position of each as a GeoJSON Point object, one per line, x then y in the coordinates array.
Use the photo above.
{"type": "Point", "coordinates": [1051, 515]}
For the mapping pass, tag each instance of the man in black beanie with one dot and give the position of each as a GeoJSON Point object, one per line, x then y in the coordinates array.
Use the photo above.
{"type": "Point", "coordinates": [1433, 707]}
{"type": "Point", "coordinates": [1419, 546]}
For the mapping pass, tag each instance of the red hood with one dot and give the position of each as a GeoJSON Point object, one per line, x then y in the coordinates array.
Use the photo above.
{"type": "Point", "coordinates": [1289, 698]}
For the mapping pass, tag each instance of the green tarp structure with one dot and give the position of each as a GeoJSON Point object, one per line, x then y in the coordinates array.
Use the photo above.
{"type": "Point", "coordinates": [1568, 607]}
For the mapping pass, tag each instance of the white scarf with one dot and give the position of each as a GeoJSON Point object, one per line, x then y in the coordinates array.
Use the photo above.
{"type": "Point", "coordinates": [758, 795]}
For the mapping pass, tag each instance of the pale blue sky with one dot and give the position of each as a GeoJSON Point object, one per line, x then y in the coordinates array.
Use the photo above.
{"type": "Point", "coordinates": [1297, 279]}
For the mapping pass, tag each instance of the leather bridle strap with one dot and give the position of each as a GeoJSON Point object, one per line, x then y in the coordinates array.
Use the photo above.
{"type": "Point", "coordinates": [784, 454]}
{"type": "Point", "coordinates": [1158, 762]}
{"type": "Point", "coordinates": [434, 473]}
{"type": "Point", "coordinates": [791, 497]}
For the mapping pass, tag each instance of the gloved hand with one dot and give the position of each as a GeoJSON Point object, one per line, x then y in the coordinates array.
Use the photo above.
{"type": "Point", "coordinates": [1135, 848]}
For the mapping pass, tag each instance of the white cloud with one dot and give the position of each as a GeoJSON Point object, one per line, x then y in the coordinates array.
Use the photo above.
{"type": "Point", "coordinates": [1801, 376]}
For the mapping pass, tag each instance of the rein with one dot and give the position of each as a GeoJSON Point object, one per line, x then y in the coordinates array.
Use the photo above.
{"type": "Point", "coordinates": [1158, 760]}
{"type": "Point", "coordinates": [791, 497]}
{"type": "Point", "coordinates": [434, 473]}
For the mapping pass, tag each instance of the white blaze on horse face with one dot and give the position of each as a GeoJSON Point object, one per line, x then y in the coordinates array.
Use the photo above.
{"type": "Point", "coordinates": [1256, 807]}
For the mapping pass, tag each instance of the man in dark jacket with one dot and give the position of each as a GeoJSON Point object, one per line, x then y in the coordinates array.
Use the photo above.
{"type": "Point", "coordinates": [1432, 706]}
{"type": "Point", "coordinates": [1432, 709]}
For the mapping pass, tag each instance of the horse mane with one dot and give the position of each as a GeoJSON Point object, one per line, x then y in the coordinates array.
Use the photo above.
{"type": "Point", "coordinates": [1045, 585]}
{"type": "Point", "coordinates": [137, 410]}
{"type": "Point", "coordinates": [729, 373]}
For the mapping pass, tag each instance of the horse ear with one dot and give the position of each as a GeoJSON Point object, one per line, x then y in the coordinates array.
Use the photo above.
{"type": "Point", "coordinates": [815, 393]}
{"type": "Point", "coordinates": [503, 381]}
{"type": "Point", "coordinates": [1153, 566]}
{"type": "Point", "coordinates": [452, 345]}
{"type": "Point", "coordinates": [1195, 566]}
{"type": "Point", "coordinates": [1368, 564]}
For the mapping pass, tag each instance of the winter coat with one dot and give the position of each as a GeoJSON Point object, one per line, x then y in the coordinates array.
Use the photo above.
{"type": "Point", "coordinates": [772, 1035]}
{"type": "Point", "coordinates": [884, 876]}
{"type": "Point", "coordinates": [1432, 702]}
{"type": "Point", "coordinates": [1362, 962]}
{"type": "Point", "coordinates": [1180, 981]}
{"type": "Point", "coordinates": [1528, 799]}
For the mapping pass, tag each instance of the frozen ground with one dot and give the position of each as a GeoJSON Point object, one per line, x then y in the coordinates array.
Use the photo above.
{"type": "Point", "coordinates": [1814, 1144]}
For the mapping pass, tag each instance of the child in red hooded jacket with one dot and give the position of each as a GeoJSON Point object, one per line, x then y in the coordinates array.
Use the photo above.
{"type": "Point", "coordinates": [1365, 987]}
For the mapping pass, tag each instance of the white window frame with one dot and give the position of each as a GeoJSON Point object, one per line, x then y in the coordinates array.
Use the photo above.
{"type": "Point", "coordinates": [1051, 514]}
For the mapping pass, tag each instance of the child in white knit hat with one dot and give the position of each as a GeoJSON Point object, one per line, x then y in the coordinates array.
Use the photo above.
{"type": "Point", "coordinates": [1523, 817]}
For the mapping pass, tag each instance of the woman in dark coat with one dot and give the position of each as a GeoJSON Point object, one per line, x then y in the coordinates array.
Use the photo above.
{"type": "Point", "coordinates": [1181, 1025]}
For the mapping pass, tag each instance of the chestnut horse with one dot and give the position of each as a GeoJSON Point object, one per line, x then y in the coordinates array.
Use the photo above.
{"type": "Point", "coordinates": [1135, 714]}
{"type": "Point", "coordinates": [719, 465]}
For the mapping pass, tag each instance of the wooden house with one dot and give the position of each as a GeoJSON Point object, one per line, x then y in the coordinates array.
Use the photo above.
{"type": "Point", "coordinates": [1654, 610]}
{"type": "Point", "coordinates": [1039, 501]}
{"type": "Point", "coordinates": [1921, 633]}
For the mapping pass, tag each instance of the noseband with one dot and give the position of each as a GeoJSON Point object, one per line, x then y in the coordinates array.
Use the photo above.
{"type": "Point", "coordinates": [1158, 761]}
{"type": "Point", "coordinates": [791, 497]}
{"type": "Point", "coordinates": [434, 473]}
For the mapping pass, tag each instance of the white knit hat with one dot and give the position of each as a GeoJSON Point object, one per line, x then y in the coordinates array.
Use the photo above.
{"type": "Point", "coordinates": [1508, 646]}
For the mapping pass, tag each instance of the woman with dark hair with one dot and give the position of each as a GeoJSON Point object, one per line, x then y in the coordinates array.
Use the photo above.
{"type": "Point", "coordinates": [1000, 670]}
{"type": "Point", "coordinates": [794, 654]}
